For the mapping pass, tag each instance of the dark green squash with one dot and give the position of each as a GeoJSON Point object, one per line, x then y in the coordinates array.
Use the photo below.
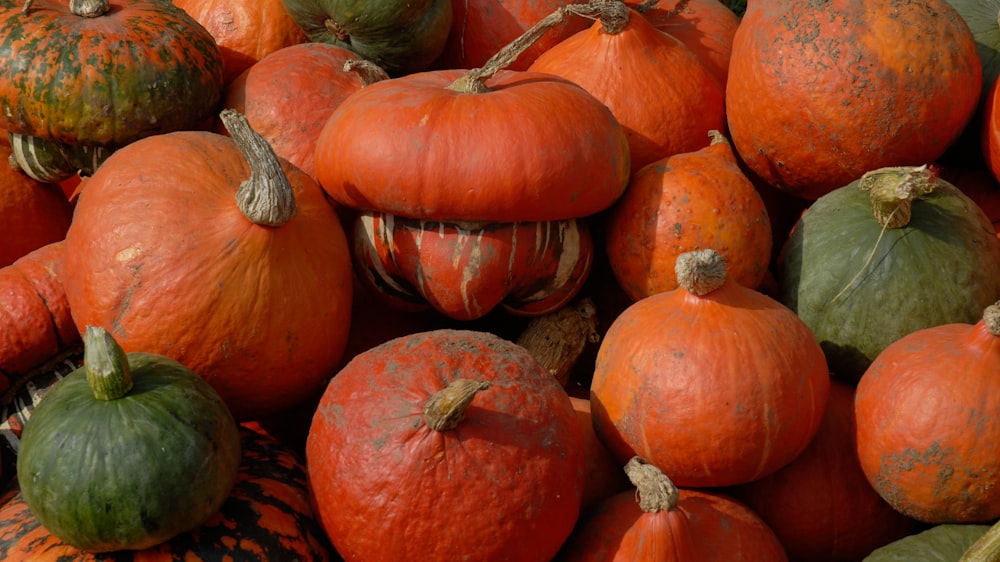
{"type": "Point", "coordinates": [401, 36]}
{"type": "Point", "coordinates": [941, 543]}
{"type": "Point", "coordinates": [128, 451]}
{"type": "Point", "coordinates": [859, 286]}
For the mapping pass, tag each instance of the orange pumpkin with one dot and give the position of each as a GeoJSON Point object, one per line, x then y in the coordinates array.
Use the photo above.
{"type": "Point", "coordinates": [219, 255]}
{"type": "Point", "coordinates": [686, 202]}
{"type": "Point", "coordinates": [714, 383]}
{"type": "Point", "coordinates": [818, 93]}
{"type": "Point", "coordinates": [926, 408]}
{"type": "Point", "coordinates": [32, 213]}
{"type": "Point", "coordinates": [659, 90]}
{"type": "Point", "coordinates": [604, 476]}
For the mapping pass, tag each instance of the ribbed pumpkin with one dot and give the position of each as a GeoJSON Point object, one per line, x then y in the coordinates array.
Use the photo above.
{"type": "Point", "coordinates": [446, 445]}
{"type": "Point", "coordinates": [656, 522]}
{"type": "Point", "coordinates": [214, 252]}
{"type": "Point", "coordinates": [32, 213]}
{"type": "Point", "coordinates": [128, 451]}
{"type": "Point", "coordinates": [894, 252]}
{"type": "Point", "coordinates": [267, 517]}
{"type": "Point", "coordinates": [245, 30]}
{"type": "Point", "coordinates": [925, 408]}
{"type": "Point", "coordinates": [107, 77]}
{"type": "Point", "coordinates": [884, 102]}
{"type": "Point", "coordinates": [714, 383]}
{"type": "Point", "coordinates": [661, 92]}
{"type": "Point", "coordinates": [688, 201]}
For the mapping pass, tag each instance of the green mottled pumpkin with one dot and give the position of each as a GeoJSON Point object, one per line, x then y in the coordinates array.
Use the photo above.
{"type": "Point", "coordinates": [128, 451]}
{"type": "Point", "coordinates": [860, 285]}
{"type": "Point", "coordinates": [401, 36]}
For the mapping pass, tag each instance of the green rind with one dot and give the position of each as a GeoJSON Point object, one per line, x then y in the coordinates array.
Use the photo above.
{"type": "Point", "coordinates": [943, 267]}
{"type": "Point", "coordinates": [941, 543]}
{"type": "Point", "coordinates": [131, 472]}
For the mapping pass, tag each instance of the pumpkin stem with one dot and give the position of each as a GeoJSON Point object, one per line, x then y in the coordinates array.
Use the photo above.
{"type": "Point", "coordinates": [81, 8]}
{"type": "Point", "coordinates": [986, 548]}
{"type": "Point", "coordinates": [367, 71]}
{"type": "Point", "coordinates": [700, 272]}
{"type": "Point", "coordinates": [892, 191]}
{"type": "Point", "coordinates": [106, 365]}
{"type": "Point", "coordinates": [266, 197]}
{"type": "Point", "coordinates": [474, 81]}
{"type": "Point", "coordinates": [337, 30]}
{"type": "Point", "coordinates": [991, 318]}
{"type": "Point", "coordinates": [559, 338]}
{"type": "Point", "coordinates": [446, 408]}
{"type": "Point", "coordinates": [654, 489]}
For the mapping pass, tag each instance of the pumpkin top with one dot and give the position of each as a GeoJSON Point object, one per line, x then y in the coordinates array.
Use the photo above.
{"type": "Point", "coordinates": [108, 372]}
{"type": "Point", "coordinates": [655, 490]}
{"type": "Point", "coordinates": [893, 190]}
{"type": "Point", "coordinates": [700, 272]}
{"type": "Point", "coordinates": [445, 409]}
{"type": "Point", "coordinates": [991, 318]}
{"type": "Point", "coordinates": [266, 197]}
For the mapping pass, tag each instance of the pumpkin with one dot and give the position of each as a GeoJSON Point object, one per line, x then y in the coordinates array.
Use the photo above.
{"type": "Point", "coordinates": [712, 382]}
{"type": "Point", "coordinates": [401, 36]}
{"type": "Point", "coordinates": [267, 517]}
{"type": "Point", "coordinates": [657, 522]}
{"type": "Point", "coordinates": [982, 18]}
{"type": "Point", "coordinates": [245, 30]}
{"type": "Point", "coordinates": [980, 185]}
{"type": "Point", "coordinates": [459, 437]}
{"type": "Point", "coordinates": [820, 505]}
{"type": "Point", "coordinates": [940, 543]}
{"type": "Point", "coordinates": [990, 131]}
{"type": "Point", "coordinates": [288, 95]}
{"type": "Point", "coordinates": [688, 201]}
{"type": "Point", "coordinates": [128, 451]}
{"type": "Point", "coordinates": [659, 90]}
{"type": "Point", "coordinates": [32, 214]}
{"type": "Point", "coordinates": [212, 251]}
{"type": "Point", "coordinates": [934, 468]}
{"type": "Point", "coordinates": [883, 103]}
{"type": "Point", "coordinates": [896, 251]}
{"type": "Point", "coordinates": [105, 77]}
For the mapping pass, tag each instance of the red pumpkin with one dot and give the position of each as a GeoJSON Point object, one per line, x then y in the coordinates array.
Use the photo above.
{"type": "Point", "coordinates": [32, 213]}
{"type": "Point", "coordinates": [925, 409]}
{"type": "Point", "coordinates": [458, 437]}
{"type": "Point", "coordinates": [187, 247]}
{"type": "Point", "coordinates": [604, 476]}
{"type": "Point", "coordinates": [713, 382]}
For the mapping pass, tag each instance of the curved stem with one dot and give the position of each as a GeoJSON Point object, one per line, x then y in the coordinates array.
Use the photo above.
{"type": "Point", "coordinates": [367, 71]}
{"type": "Point", "coordinates": [446, 408]}
{"type": "Point", "coordinates": [266, 197]}
{"type": "Point", "coordinates": [655, 490]}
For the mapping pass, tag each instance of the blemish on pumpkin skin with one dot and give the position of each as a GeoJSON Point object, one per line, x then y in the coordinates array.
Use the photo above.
{"type": "Point", "coordinates": [128, 254]}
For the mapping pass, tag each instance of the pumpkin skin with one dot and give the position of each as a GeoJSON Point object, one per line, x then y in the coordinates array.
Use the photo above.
{"type": "Point", "coordinates": [785, 52]}
{"type": "Point", "coordinates": [261, 312]}
{"type": "Point", "coordinates": [509, 474]}
{"type": "Point", "coordinates": [990, 130]}
{"type": "Point", "coordinates": [659, 90]}
{"type": "Point", "coordinates": [605, 477]}
{"type": "Point", "coordinates": [715, 389]}
{"type": "Point", "coordinates": [245, 30]}
{"type": "Point", "coordinates": [401, 36]}
{"type": "Point", "coordinates": [820, 505]}
{"type": "Point", "coordinates": [466, 271]}
{"type": "Point", "coordinates": [127, 451]}
{"type": "Point", "coordinates": [948, 370]}
{"type": "Point", "coordinates": [859, 293]}
{"type": "Point", "coordinates": [32, 214]}
{"type": "Point", "coordinates": [267, 517]}
{"type": "Point", "coordinates": [940, 542]}
{"type": "Point", "coordinates": [534, 147]}
{"type": "Point", "coordinates": [981, 17]}
{"type": "Point", "coordinates": [146, 67]}
{"type": "Point", "coordinates": [685, 202]}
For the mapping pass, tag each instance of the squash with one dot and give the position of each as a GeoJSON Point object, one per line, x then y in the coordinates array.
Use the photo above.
{"type": "Point", "coordinates": [454, 444]}
{"type": "Point", "coordinates": [32, 213]}
{"type": "Point", "coordinates": [861, 281]}
{"type": "Point", "coordinates": [128, 451]}
{"type": "Point", "coordinates": [941, 543]}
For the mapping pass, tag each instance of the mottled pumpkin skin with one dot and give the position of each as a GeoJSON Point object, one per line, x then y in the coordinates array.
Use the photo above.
{"type": "Point", "coordinates": [266, 518]}
{"type": "Point", "coordinates": [899, 82]}
{"type": "Point", "coordinates": [505, 484]}
{"type": "Point", "coordinates": [145, 67]}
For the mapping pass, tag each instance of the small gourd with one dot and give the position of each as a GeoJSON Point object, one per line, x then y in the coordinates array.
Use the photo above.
{"type": "Point", "coordinates": [127, 451]}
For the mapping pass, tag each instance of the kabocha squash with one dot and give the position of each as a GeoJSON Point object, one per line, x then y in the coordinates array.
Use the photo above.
{"type": "Point", "coordinates": [941, 543]}
{"type": "Point", "coordinates": [454, 444]}
{"type": "Point", "coordinates": [688, 201]}
{"type": "Point", "coordinates": [212, 251]}
{"type": "Point", "coordinates": [266, 518]}
{"type": "Point", "coordinates": [32, 213]}
{"type": "Point", "coordinates": [128, 451]}
{"type": "Point", "coordinates": [657, 522]}
{"type": "Point", "coordinates": [102, 74]}
{"type": "Point", "coordinates": [935, 467]}
{"type": "Point", "coordinates": [661, 92]}
{"type": "Point", "coordinates": [401, 36]}
{"type": "Point", "coordinates": [714, 383]}
{"type": "Point", "coordinates": [860, 281]}
{"type": "Point", "coordinates": [926, 81]}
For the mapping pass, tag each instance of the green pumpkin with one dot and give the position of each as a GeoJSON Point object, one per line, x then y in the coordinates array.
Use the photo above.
{"type": "Point", "coordinates": [860, 286]}
{"type": "Point", "coordinates": [941, 543]}
{"type": "Point", "coordinates": [128, 451]}
{"type": "Point", "coordinates": [981, 17]}
{"type": "Point", "coordinates": [401, 36]}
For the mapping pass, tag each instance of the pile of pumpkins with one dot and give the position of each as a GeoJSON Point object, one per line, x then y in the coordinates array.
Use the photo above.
{"type": "Point", "coordinates": [499, 281]}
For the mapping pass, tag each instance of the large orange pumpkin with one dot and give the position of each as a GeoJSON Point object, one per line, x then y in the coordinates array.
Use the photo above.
{"type": "Point", "coordinates": [232, 263]}
{"type": "Point", "coordinates": [821, 92]}
{"type": "Point", "coordinates": [714, 383]}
